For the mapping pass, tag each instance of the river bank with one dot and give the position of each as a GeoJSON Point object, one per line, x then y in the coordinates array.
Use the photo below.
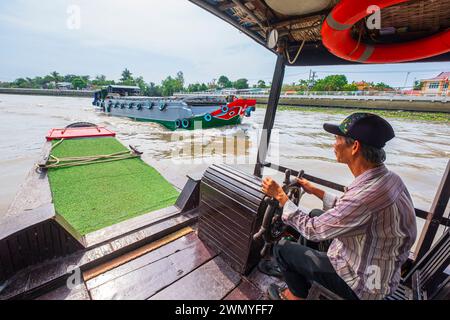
{"type": "Point", "coordinates": [393, 114]}
{"type": "Point", "coordinates": [47, 92]}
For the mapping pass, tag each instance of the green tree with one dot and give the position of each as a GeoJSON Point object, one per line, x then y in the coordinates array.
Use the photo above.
{"type": "Point", "coordinates": [154, 90]}
{"type": "Point", "coordinates": [171, 85]}
{"type": "Point", "coordinates": [69, 77]}
{"type": "Point", "coordinates": [241, 84]}
{"type": "Point", "coordinates": [331, 83]}
{"type": "Point", "coordinates": [180, 78]}
{"type": "Point", "coordinates": [126, 75]}
{"type": "Point", "coordinates": [56, 76]}
{"type": "Point", "coordinates": [193, 87]}
{"type": "Point", "coordinates": [350, 87]}
{"type": "Point", "coordinates": [79, 83]}
{"type": "Point", "coordinates": [261, 84]}
{"type": "Point", "coordinates": [418, 85]}
{"type": "Point", "coordinates": [203, 87]}
{"type": "Point", "coordinates": [224, 82]}
{"type": "Point", "coordinates": [381, 86]}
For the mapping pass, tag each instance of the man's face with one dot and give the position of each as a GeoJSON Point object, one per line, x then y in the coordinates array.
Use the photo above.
{"type": "Point", "coordinates": [342, 151]}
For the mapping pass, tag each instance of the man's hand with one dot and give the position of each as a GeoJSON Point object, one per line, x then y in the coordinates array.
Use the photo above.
{"type": "Point", "coordinates": [310, 188]}
{"type": "Point", "coordinates": [306, 185]}
{"type": "Point", "coordinates": [273, 189]}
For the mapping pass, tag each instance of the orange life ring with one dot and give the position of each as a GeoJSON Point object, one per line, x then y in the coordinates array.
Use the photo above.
{"type": "Point", "coordinates": [337, 38]}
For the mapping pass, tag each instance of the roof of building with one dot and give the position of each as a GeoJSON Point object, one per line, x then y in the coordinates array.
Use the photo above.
{"type": "Point", "coordinates": [114, 86]}
{"type": "Point", "coordinates": [441, 76]}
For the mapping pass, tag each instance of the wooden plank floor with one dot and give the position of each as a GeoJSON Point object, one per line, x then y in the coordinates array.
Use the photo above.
{"type": "Point", "coordinates": [182, 269]}
{"type": "Point", "coordinates": [143, 277]}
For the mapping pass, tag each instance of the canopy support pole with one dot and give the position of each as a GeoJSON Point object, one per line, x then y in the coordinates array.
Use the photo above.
{"type": "Point", "coordinates": [435, 215]}
{"type": "Point", "coordinates": [271, 110]}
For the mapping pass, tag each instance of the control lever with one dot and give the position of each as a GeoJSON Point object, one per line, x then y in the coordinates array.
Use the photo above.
{"type": "Point", "coordinates": [264, 231]}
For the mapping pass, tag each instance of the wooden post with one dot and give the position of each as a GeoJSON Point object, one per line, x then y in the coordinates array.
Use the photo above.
{"type": "Point", "coordinates": [271, 110]}
{"type": "Point", "coordinates": [435, 215]}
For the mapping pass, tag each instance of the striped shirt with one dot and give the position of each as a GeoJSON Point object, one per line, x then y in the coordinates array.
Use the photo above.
{"type": "Point", "coordinates": [373, 227]}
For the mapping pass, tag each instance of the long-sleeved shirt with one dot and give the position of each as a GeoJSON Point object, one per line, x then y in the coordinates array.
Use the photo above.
{"type": "Point", "coordinates": [373, 227]}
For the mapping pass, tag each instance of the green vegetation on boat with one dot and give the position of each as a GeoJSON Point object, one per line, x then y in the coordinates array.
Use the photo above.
{"type": "Point", "coordinates": [91, 197]}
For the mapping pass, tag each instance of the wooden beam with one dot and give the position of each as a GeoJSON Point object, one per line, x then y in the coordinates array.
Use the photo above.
{"type": "Point", "coordinates": [243, 7]}
{"type": "Point", "coordinates": [434, 217]}
{"type": "Point", "coordinates": [89, 274]}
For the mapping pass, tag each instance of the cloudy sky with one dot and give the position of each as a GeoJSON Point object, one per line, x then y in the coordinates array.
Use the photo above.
{"type": "Point", "coordinates": [152, 38]}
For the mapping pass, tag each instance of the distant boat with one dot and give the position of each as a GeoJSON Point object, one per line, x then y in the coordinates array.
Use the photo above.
{"type": "Point", "coordinates": [174, 112]}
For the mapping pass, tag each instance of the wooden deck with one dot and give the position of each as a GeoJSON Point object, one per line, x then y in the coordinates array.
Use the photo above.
{"type": "Point", "coordinates": [182, 269]}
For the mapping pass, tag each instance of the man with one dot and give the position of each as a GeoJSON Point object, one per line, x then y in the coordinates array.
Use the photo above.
{"type": "Point", "coordinates": [373, 224]}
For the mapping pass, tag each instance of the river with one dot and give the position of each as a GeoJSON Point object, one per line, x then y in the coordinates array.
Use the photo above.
{"type": "Point", "coordinates": [419, 153]}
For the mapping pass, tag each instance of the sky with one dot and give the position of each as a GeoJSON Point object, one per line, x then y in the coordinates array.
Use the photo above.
{"type": "Point", "coordinates": [153, 39]}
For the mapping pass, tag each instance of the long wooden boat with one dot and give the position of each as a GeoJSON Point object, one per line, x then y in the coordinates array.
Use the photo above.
{"type": "Point", "coordinates": [203, 246]}
{"type": "Point", "coordinates": [174, 113]}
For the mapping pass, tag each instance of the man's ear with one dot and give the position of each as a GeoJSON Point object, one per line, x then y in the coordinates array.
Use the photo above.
{"type": "Point", "coordinates": [356, 147]}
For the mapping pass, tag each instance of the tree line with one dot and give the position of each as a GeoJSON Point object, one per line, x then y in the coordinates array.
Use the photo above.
{"type": "Point", "coordinates": [176, 83]}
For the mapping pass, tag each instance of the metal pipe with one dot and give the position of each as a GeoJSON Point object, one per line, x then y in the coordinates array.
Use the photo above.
{"type": "Point", "coordinates": [271, 111]}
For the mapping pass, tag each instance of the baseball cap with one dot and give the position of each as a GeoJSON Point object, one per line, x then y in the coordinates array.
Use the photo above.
{"type": "Point", "coordinates": [367, 128]}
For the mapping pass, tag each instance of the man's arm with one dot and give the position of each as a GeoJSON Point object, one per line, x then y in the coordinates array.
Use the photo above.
{"type": "Point", "coordinates": [329, 199]}
{"type": "Point", "coordinates": [348, 217]}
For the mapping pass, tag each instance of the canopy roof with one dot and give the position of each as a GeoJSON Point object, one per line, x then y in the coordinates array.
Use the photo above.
{"type": "Point", "coordinates": [297, 21]}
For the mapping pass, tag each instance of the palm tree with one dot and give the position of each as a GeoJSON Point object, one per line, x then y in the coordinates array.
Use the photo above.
{"type": "Point", "coordinates": [126, 75]}
{"type": "Point", "coordinates": [56, 76]}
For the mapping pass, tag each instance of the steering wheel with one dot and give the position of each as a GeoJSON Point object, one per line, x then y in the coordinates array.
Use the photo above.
{"type": "Point", "coordinates": [272, 227]}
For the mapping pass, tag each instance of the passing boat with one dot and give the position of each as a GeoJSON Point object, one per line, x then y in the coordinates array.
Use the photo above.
{"type": "Point", "coordinates": [188, 113]}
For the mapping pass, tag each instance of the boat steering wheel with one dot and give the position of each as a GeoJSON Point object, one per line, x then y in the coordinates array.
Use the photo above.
{"type": "Point", "coordinates": [272, 227]}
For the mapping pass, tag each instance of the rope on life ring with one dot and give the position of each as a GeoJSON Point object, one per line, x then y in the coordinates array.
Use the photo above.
{"type": "Point", "coordinates": [337, 37]}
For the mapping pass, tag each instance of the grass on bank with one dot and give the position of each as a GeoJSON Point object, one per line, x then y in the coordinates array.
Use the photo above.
{"type": "Point", "coordinates": [91, 197]}
{"type": "Point", "coordinates": [407, 115]}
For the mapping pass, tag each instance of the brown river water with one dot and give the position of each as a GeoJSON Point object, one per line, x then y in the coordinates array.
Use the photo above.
{"type": "Point", "coordinates": [419, 153]}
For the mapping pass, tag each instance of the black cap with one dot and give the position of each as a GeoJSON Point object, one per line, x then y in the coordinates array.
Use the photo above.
{"type": "Point", "coordinates": [367, 128]}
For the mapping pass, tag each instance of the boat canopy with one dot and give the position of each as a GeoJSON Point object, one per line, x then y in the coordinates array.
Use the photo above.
{"type": "Point", "coordinates": [299, 25]}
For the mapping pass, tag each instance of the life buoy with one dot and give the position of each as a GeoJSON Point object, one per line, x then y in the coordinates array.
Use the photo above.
{"type": "Point", "coordinates": [178, 123]}
{"type": "Point", "coordinates": [185, 123]}
{"type": "Point", "coordinates": [225, 109]}
{"type": "Point", "coordinates": [207, 117]}
{"type": "Point", "coordinates": [337, 38]}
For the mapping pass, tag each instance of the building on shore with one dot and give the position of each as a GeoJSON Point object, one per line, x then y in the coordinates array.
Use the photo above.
{"type": "Point", "coordinates": [437, 85]}
{"type": "Point", "coordinates": [64, 86]}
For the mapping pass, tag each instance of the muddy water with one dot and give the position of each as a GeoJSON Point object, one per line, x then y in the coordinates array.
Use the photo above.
{"type": "Point", "coordinates": [419, 154]}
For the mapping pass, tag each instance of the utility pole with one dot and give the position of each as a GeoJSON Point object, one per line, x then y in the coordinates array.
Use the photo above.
{"type": "Point", "coordinates": [406, 80]}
